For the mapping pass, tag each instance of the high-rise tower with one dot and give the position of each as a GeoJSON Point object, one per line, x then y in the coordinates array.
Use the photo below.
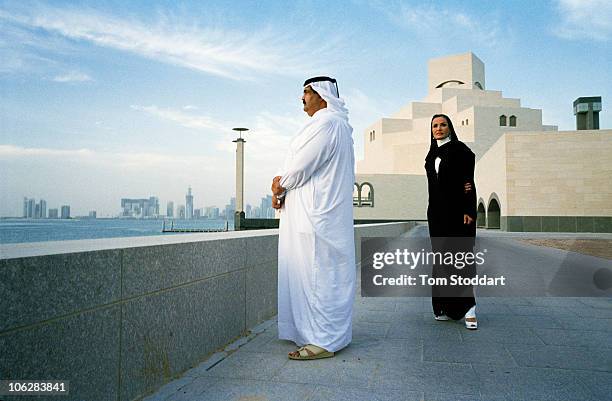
{"type": "Point", "coordinates": [189, 205]}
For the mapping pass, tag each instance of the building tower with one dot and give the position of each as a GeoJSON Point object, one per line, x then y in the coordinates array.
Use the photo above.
{"type": "Point", "coordinates": [189, 205]}
{"type": "Point", "coordinates": [586, 110]}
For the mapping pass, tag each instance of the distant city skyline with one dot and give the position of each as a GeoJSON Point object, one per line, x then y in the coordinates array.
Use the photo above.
{"type": "Point", "coordinates": [151, 207]}
{"type": "Point", "coordinates": [103, 100]}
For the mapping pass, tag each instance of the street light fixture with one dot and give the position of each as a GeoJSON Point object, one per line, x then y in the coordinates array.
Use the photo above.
{"type": "Point", "coordinates": [239, 213]}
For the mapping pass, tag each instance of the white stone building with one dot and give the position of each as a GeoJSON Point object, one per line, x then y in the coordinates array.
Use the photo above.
{"type": "Point", "coordinates": [529, 176]}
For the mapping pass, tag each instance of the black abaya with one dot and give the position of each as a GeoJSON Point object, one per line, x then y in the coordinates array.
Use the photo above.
{"type": "Point", "coordinates": [448, 203]}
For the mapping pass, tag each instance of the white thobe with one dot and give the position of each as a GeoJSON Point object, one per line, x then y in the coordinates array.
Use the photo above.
{"type": "Point", "coordinates": [316, 247]}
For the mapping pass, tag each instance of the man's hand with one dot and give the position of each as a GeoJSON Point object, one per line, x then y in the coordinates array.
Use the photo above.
{"type": "Point", "coordinates": [467, 187]}
{"type": "Point", "coordinates": [467, 219]}
{"type": "Point", "coordinates": [277, 203]}
{"type": "Point", "coordinates": [276, 187]}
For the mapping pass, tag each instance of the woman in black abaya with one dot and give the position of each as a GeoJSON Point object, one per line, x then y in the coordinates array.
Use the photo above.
{"type": "Point", "coordinates": [451, 215]}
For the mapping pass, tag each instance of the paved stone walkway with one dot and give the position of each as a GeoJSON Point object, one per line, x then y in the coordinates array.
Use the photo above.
{"type": "Point", "coordinates": [525, 349]}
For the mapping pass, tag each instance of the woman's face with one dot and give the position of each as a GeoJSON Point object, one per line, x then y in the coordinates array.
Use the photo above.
{"type": "Point", "coordinates": [439, 128]}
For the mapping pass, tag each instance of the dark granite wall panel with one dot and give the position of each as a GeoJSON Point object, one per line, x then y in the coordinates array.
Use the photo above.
{"type": "Point", "coordinates": [153, 268]}
{"type": "Point", "coordinates": [262, 249]}
{"type": "Point", "coordinates": [165, 333]}
{"type": "Point", "coordinates": [261, 292]}
{"type": "Point", "coordinates": [83, 349]}
{"type": "Point", "coordinates": [39, 288]}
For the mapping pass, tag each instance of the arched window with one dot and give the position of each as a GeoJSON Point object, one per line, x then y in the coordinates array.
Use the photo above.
{"type": "Point", "coordinates": [481, 215]}
{"type": "Point", "coordinates": [452, 82]}
{"type": "Point", "coordinates": [477, 84]}
{"type": "Point", "coordinates": [502, 121]}
{"type": "Point", "coordinates": [363, 195]}
{"type": "Point", "coordinates": [367, 194]}
{"type": "Point", "coordinates": [493, 212]}
{"type": "Point", "coordinates": [513, 121]}
{"type": "Point", "coordinates": [467, 122]}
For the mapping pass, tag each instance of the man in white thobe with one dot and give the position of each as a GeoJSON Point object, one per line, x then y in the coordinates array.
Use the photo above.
{"type": "Point", "coordinates": [316, 249]}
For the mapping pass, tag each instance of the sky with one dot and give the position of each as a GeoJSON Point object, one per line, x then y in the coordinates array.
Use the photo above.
{"type": "Point", "coordinates": [103, 100]}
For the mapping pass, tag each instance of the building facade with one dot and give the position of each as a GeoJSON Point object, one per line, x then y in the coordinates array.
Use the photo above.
{"type": "Point", "coordinates": [140, 208]}
{"type": "Point", "coordinates": [189, 205]}
{"type": "Point", "coordinates": [65, 212]}
{"type": "Point", "coordinates": [529, 176]}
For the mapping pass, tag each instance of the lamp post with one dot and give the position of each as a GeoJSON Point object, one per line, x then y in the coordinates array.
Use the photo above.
{"type": "Point", "coordinates": [239, 213]}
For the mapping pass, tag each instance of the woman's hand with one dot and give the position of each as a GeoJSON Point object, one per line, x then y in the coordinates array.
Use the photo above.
{"type": "Point", "coordinates": [467, 187]}
{"type": "Point", "coordinates": [467, 219]}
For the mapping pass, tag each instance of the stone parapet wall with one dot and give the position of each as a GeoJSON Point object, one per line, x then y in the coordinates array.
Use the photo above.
{"type": "Point", "coordinates": [118, 318]}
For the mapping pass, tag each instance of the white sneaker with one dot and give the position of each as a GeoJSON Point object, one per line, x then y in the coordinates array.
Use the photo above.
{"type": "Point", "coordinates": [441, 318]}
{"type": "Point", "coordinates": [471, 325]}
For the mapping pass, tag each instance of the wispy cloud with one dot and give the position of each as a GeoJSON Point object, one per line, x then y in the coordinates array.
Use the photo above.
{"type": "Point", "coordinates": [222, 52]}
{"type": "Point", "coordinates": [182, 118]}
{"type": "Point", "coordinates": [72, 76]}
{"type": "Point", "coordinates": [436, 23]}
{"type": "Point", "coordinates": [584, 20]}
{"type": "Point", "coordinates": [267, 139]}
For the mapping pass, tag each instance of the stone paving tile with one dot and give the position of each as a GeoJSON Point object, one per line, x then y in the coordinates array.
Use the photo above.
{"type": "Point", "coordinates": [328, 393]}
{"type": "Point", "coordinates": [552, 311]}
{"type": "Point", "coordinates": [412, 307]}
{"type": "Point", "coordinates": [430, 377]}
{"type": "Point", "coordinates": [262, 327]}
{"type": "Point", "coordinates": [546, 322]}
{"type": "Point", "coordinates": [501, 335]}
{"type": "Point", "coordinates": [381, 348]}
{"type": "Point", "coordinates": [191, 392]}
{"type": "Point", "coordinates": [248, 365]}
{"type": "Point", "coordinates": [600, 303]}
{"type": "Point", "coordinates": [502, 301]}
{"type": "Point", "coordinates": [419, 331]}
{"type": "Point", "coordinates": [556, 301]}
{"type": "Point", "coordinates": [364, 329]}
{"type": "Point", "coordinates": [270, 332]}
{"type": "Point", "coordinates": [370, 316]}
{"type": "Point", "coordinates": [598, 383]}
{"type": "Point", "coordinates": [396, 344]}
{"type": "Point", "coordinates": [451, 397]}
{"type": "Point", "coordinates": [270, 345]}
{"type": "Point", "coordinates": [597, 313]}
{"type": "Point", "coordinates": [575, 338]}
{"type": "Point", "coordinates": [485, 353]}
{"type": "Point", "coordinates": [412, 300]}
{"type": "Point", "coordinates": [381, 304]}
{"type": "Point", "coordinates": [552, 356]}
{"type": "Point", "coordinates": [518, 384]}
{"type": "Point", "coordinates": [486, 308]}
{"type": "Point", "coordinates": [202, 368]}
{"type": "Point", "coordinates": [169, 389]}
{"type": "Point", "coordinates": [215, 389]}
{"type": "Point", "coordinates": [329, 371]}
{"type": "Point", "coordinates": [584, 323]}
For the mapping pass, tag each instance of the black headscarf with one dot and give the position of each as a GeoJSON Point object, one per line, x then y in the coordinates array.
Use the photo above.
{"type": "Point", "coordinates": [434, 150]}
